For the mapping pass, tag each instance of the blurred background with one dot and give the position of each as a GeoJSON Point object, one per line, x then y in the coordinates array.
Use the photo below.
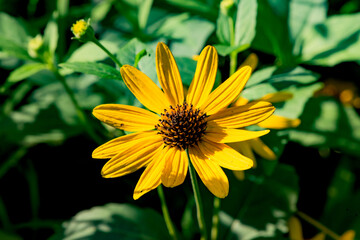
{"type": "Point", "coordinates": [310, 49]}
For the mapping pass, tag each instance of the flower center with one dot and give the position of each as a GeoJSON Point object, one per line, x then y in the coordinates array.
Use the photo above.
{"type": "Point", "coordinates": [182, 126]}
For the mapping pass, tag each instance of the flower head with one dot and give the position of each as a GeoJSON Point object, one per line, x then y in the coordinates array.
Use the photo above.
{"type": "Point", "coordinates": [177, 129]}
{"type": "Point", "coordinates": [83, 31]}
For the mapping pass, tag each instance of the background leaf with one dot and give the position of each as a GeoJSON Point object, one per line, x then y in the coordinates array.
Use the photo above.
{"type": "Point", "coordinates": [245, 22]}
{"type": "Point", "coordinates": [115, 221]}
{"type": "Point", "coordinates": [99, 69]}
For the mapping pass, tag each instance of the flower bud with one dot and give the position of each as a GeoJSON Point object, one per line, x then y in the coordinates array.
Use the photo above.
{"type": "Point", "coordinates": [225, 6]}
{"type": "Point", "coordinates": [35, 46]}
{"type": "Point", "coordinates": [83, 31]}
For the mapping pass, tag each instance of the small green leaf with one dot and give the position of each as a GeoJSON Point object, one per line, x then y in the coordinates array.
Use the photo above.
{"type": "Point", "coordinates": [245, 22]}
{"type": "Point", "coordinates": [224, 50]}
{"type": "Point", "coordinates": [114, 221]}
{"type": "Point", "coordinates": [99, 69]}
{"type": "Point", "coordinates": [51, 36]}
{"type": "Point", "coordinates": [25, 71]}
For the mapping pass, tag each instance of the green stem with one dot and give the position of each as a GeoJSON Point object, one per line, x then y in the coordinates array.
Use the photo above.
{"type": "Point", "coordinates": [168, 222]}
{"type": "Point", "coordinates": [198, 202]}
{"type": "Point", "coordinates": [81, 115]}
{"type": "Point", "coordinates": [215, 219]}
{"type": "Point", "coordinates": [116, 61]}
{"type": "Point", "coordinates": [318, 225]}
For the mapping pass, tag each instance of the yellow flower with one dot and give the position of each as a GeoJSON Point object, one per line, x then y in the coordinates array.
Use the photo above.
{"type": "Point", "coordinates": [176, 127]}
{"type": "Point", "coordinates": [256, 145]}
{"type": "Point", "coordinates": [83, 31]}
{"type": "Point", "coordinates": [296, 233]}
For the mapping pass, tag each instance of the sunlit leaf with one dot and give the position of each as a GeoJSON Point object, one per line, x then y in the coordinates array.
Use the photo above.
{"type": "Point", "coordinates": [144, 11]}
{"type": "Point", "coordinates": [25, 71]}
{"type": "Point", "coordinates": [245, 22]}
{"type": "Point", "coordinates": [51, 36]}
{"type": "Point", "coordinates": [334, 41]}
{"type": "Point", "coordinates": [114, 221]}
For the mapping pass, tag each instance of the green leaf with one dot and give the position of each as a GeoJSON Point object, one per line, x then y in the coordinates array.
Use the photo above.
{"type": "Point", "coordinates": [272, 34]}
{"type": "Point", "coordinates": [114, 221]}
{"type": "Point", "coordinates": [51, 36]}
{"type": "Point", "coordinates": [303, 13]}
{"type": "Point", "coordinates": [100, 10]}
{"type": "Point", "coordinates": [144, 11]}
{"type": "Point", "coordinates": [12, 29]}
{"type": "Point", "coordinates": [187, 67]}
{"type": "Point", "coordinates": [245, 22]}
{"type": "Point", "coordinates": [259, 208]}
{"type": "Point", "coordinates": [98, 69]}
{"type": "Point", "coordinates": [327, 123]}
{"type": "Point", "coordinates": [224, 50]}
{"type": "Point", "coordinates": [223, 29]}
{"type": "Point", "coordinates": [336, 40]}
{"type": "Point", "coordinates": [25, 71]}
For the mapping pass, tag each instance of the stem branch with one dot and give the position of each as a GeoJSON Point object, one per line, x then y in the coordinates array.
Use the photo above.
{"type": "Point", "coordinates": [116, 61]}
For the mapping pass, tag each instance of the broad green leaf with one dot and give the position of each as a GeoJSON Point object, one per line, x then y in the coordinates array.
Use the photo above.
{"type": "Point", "coordinates": [90, 52]}
{"type": "Point", "coordinates": [245, 22]}
{"type": "Point", "coordinates": [13, 49]}
{"type": "Point", "coordinates": [167, 24]}
{"type": "Point", "coordinates": [144, 11]}
{"type": "Point", "coordinates": [51, 36]}
{"type": "Point", "coordinates": [12, 29]}
{"type": "Point", "coordinates": [189, 42]}
{"type": "Point", "coordinates": [260, 207]}
{"type": "Point", "coordinates": [327, 123]}
{"type": "Point", "coordinates": [25, 71]}
{"type": "Point", "coordinates": [334, 41]}
{"type": "Point", "coordinates": [187, 69]}
{"type": "Point", "coordinates": [114, 221]}
{"type": "Point", "coordinates": [223, 29]}
{"type": "Point", "coordinates": [272, 34]}
{"type": "Point", "coordinates": [99, 69]}
{"type": "Point", "coordinates": [195, 6]}
{"type": "Point", "coordinates": [303, 13]}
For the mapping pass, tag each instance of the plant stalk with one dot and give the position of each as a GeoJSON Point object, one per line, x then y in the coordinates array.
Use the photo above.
{"type": "Point", "coordinates": [168, 222]}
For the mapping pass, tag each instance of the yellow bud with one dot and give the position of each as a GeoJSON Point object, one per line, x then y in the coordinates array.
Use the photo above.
{"type": "Point", "coordinates": [225, 6]}
{"type": "Point", "coordinates": [34, 46]}
{"type": "Point", "coordinates": [82, 30]}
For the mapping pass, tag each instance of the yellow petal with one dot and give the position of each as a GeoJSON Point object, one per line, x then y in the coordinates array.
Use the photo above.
{"type": "Point", "coordinates": [113, 147]}
{"type": "Point", "coordinates": [295, 229]}
{"type": "Point", "coordinates": [242, 116]}
{"type": "Point", "coordinates": [125, 117]}
{"type": "Point", "coordinates": [245, 149]}
{"type": "Point", "coordinates": [210, 173]}
{"type": "Point", "coordinates": [176, 166]}
{"type": "Point", "coordinates": [224, 155]}
{"type": "Point", "coordinates": [227, 92]}
{"type": "Point", "coordinates": [228, 135]}
{"type": "Point", "coordinates": [252, 60]}
{"type": "Point", "coordinates": [277, 97]}
{"type": "Point", "coordinates": [204, 77]}
{"type": "Point", "coordinates": [151, 177]}
{"type": "Point", "coordinates": [240, 102]}
{"type": "Point", "coordinates": [348, 235]}
{"type": "Point", "coordinates": [279, 122]}
{"type": "Point", "coordinates": [260, 148]}
{"type": "Point", "coordinates": [138, 154]}
{"type": "Point", "coordinates": [144, 89]}
{"type": "Point", "coordinates": [168, 74]}
{"type": "Point", "coordinates": [319, 236]}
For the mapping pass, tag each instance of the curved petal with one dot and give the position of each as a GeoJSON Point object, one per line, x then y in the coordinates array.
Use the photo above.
{"type": "Point", "coordinates": [210, 173]}
{"type": "Point", "coordinates": [168, 74]}
{"type": "Point", "coordinates": [295, 229]}
{"type": "Point", "coordinates": [277, 97]}
{"type": "Point", "coordinates": [176, 166]}
{"type": "Point", "coordinates": [279, 122]}
{"type": "Point", "coordinates": [241, 101]}
{"type": "Point", "coordinates": [144, 89]}
{"type": "Point", "coordinates": [348, 235]}
{"type": "Point", "coordinates": [225, 156]}
{"type": "Point", "coordinates": [242, 116]}
{"type": "Point", "coordinates": [227, 92]}
{"type": "Point", "coordinates": [252, 60]}
{"type": "Point", "coordinates": [112, 148]}
{"type": "Point", "coordinates": [204, 77]}
{"type": "Point", "coordinates": [228, 135]}
{"type": "Point", "coordinates": [261, 149]}
{"type": "Point", "coordinates": [126, 117]}
{"type": "Point", "coordinates": [151, 177]}
{"type": "Point", "coordinates": [244, 149]}
{"type": "Point", "coordinates": [138, 154]}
